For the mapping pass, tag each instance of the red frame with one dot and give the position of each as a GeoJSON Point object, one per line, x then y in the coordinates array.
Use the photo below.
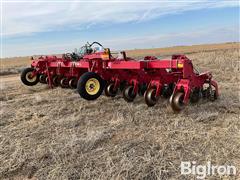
{"type": "Point", "coordinates": [155, 72]}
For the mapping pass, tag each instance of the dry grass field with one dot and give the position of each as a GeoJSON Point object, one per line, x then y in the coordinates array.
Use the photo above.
{"type": "Point", "coordinates": [54, 134]}
{"type": "Point", "coordinates": [15, 64]}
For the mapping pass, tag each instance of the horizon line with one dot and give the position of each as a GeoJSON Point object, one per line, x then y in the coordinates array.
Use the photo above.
{"type": "Point", "coordinates": [227, 42]}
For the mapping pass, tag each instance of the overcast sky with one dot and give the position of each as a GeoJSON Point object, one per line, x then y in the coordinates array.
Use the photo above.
{"type": "Point", "coordinates": [38, 27]}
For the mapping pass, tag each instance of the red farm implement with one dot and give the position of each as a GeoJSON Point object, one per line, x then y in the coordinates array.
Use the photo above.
{"type": "Point", "coordinates": [95, 69]}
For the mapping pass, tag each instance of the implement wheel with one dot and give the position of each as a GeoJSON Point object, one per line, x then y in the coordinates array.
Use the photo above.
{"type": "Point", "coordinates": [122, 85]}
{"type": "Point", "coordinates": [56, 80]}
{"type": "Point", "coordinates": [73, 83]}
{"type": "Point", "coordinates": [176, 101]}
{"type": "Point", "coordinates": [64, 83]}
{"type": "Point", "coordinates": [195, 96]}
{"type": "Point", "coordinates": [128, 94]}
{"type": "Point", "coordinates": [42, 78]}
{"type": "Point", "coordinates": [213, 95]}
{"type": "Point", "coordinates": [27, 78]}
{"type": "Point", "coordinates": [47, 80]}
{"type": "Point", "coordinates": [109, 90]}
{"type": "Point", "coordinates": [142, 89]}
{"type": "Point", "coordinates": [150, 97]}
{"type": "Point", "coordinates": [90, 86]}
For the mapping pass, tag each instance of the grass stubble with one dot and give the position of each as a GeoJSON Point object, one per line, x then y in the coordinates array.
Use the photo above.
{"type": "Point", "coordinates": [54, 134]}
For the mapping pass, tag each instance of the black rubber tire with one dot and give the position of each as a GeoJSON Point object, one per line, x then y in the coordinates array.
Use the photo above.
{"type": "Point", "coordinates": [205, 93]}
{"type": "Point", "coordinates": [167, 90]}
{"type": "Point", "coordinates": [56, 80]}
{"type": "Point", "coordinates": [25, 76]}
{"type": "Point", "coordinates": [142, 89]}
{"type": "Point", "coordinates": [195, 96]}
{"type": "Point", "coordinates": [213, 96]}
{"type": "Point", "coordinates": [64, 82]}
{"type": "Point", "coordinates": [109, 92]}
{"type": "Point", "coordinates": [42, 78]}
{"type": "Point", "coordinates": [128, 94]}
{"type": "Point", "coordinates": [47, 80]}
{"type": "Point", "coordinates": [176, 101]}
{"type": "Point", "coordinates": [73, 83]}
{"type": "Point", "coordinates": [82, 83]}
{"type": "Point", "coordinates": [122, 85]}
{"type": "Point", "coordinates": [150, 97]}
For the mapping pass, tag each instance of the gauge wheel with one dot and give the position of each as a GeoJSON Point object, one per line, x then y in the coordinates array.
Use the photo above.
{"type": "Point", "coordinates": [213, 95]}
{"type": "Point", "coordinates": [128, 94]}
{"type": "Point", "coordinates": [176, 101]}
{"type": "Point", "coordinates": [56, 80]}
{"type": "Point", "coordinates": [195, 96]}
{"type": "Point", "coordinates": [150, 97]}
{"type": "Point", "coordinates": [142, 89]}
{"type": "Point", "coordinates": [90, 86]}
{"type": "Point", "coordinates": [109, 90]}
{"type": "Point", "coordinates": [42, 78]}
{"type": "Point", "coordinates": [27, 78]}
{"type": "Point", "coordinates": [47, 80]}
{"type": "Point", "coordinates": [73, 83]}
{"type": "Point", "coordinates": [64, 82]}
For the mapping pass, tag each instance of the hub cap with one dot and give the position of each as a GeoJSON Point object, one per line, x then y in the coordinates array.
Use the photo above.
{"type": "Point", "coordinates": [30, 78]}
{"type": "Point", "coordinates": [92, 86]}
